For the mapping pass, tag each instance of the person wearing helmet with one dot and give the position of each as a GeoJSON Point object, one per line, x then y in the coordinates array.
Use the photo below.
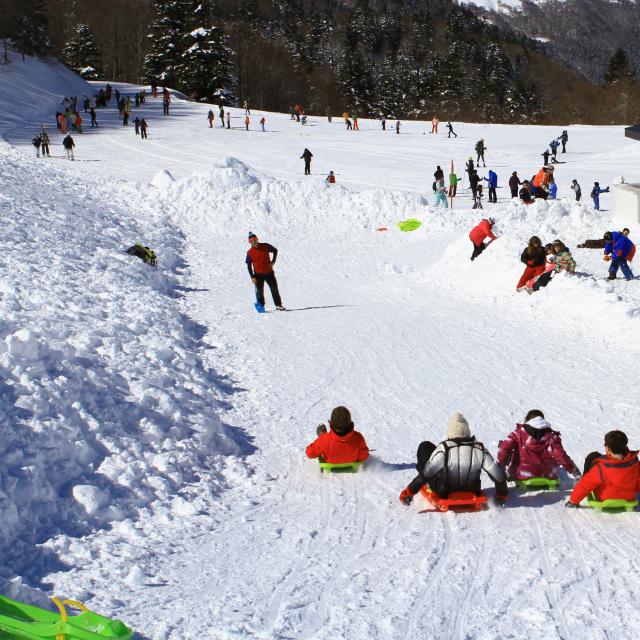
{"type": "Point", "coordinates": [617, 250]}
{"type": "Point", "coordinates": [477, 235]}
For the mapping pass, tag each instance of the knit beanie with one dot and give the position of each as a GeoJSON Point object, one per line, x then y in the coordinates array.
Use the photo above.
{"type": "Point", "coordinates": [458, 427]}
{"type": "Point", "coordinates": [341, 421]}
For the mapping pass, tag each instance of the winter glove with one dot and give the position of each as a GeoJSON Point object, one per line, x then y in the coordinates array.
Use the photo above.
{"type": "Point", "coordinates": [570, 504]}
{"type": "Point", "coordinates": [606, 258]}
{"type": "Point", "coordinates": [320, 429]}
{"type": "Point", "coordinates": [406, 496]}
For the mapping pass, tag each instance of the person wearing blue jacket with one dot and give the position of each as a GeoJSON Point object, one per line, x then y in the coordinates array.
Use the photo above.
{"type": "Point", "coordinates": [554, 144]}
{"type": "Point", "coordinates": [595, 195]}
{"type": "Point", "coordinates": [492, 183]}
{"type": "Point", "coordinates": [553, 189]}
{"type": "Point", "coordinates": [617, 250]}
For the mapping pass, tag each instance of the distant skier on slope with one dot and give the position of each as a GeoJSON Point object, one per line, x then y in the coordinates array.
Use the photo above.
{"type": "Point", "coordinates": [260, 267]}
{"type": "Point", "coordinates": [341, 443]}
{"type": "Point", "coordinates": [480, 149]}
{"type": "Point", "coordinates": [534, 450]}
{"type": "Point", "coordinates": [307, 155]}
{"type": "Point", "coordinates": [451, 131]}
{"type": "Point", "coordinates": [484, 229]}
{"type": "Point", "coordinates": [454, 465]}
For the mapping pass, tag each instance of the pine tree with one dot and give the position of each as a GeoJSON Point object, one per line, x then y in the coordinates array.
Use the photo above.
{"type": "Point", "coordinates": [82, 54]}
{"type": "Point", "coordinates": [31, 29]}
{"type": "Point", "coordinates": [618, 69]}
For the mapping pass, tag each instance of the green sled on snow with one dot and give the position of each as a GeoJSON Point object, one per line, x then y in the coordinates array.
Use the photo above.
{"type": "Point", "coordinates": [532, 484]}
{"type": "Point", "coordinates": [19, 621]}
{"type": "Point", "coordinates": [409, 225]}
{"type": "Point", "coordinates": [342, 467]}
{"type": "Point", "coordinates": [612, 504]}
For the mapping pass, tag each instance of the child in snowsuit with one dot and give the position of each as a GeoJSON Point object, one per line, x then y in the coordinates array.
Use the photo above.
{"type": "Point", "coordinates": [525, 192]}
{"type": "Point", "coordinates": [534, 257]}
{"type": "Point", "coordinates": [477, 235]}
{"type": "Point", "coordinates": [534, 450]}
{"type": "Point", "coordinates": [595, 195]}
{"type": "Point", "coordinates": [617, 249]}
{"type": "Point", "coordinates": [307, 155]}
{"type": "Point", "coordinates": [331, 178]}
{"type": "Point", "coordinates": [554, 144]}
{"type": "Point", "coordinates": [614, 475]}
{"type": "Point", "coordinates": [454, 465]}
{"type": "Point", "coordinates": [441, 194]}
{"type": "Point", "coordinates": [341, 444]}
{"type": "Point", "coordinates": [575, 187]}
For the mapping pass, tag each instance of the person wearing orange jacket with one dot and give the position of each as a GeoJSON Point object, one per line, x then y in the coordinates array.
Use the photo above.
{"type": "Point", "coordinates": [615, 475]}
{"type": "Point", "coordinates": [479, 233]}
{"type": "Point", "coordinates": [341, 444]}
{"type": "Point", "coordinates": [541, 182]}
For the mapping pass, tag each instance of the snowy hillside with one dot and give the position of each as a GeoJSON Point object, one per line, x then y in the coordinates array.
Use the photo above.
{"type": "Point", "coordinates": [154, 425]}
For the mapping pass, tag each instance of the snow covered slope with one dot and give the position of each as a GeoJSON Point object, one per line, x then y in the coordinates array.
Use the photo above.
{"type": "Point", "coordinates": [222, 531]}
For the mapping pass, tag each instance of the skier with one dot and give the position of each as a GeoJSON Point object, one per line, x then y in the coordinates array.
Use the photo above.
{"type": "Point", "coordinates": [455, 465]}
{"type": "Point", "coordinates": [575, 187]}
{"type": "Point", "coordinates": [210, 117]}
{"type": "Point", "coordinates": [247, 122]}
{"type": "Point", "coordinates": [559, 258]}
{"type": "Point", "coordinates": [94, 120]}
{"type": "Point", "coordinates": [68, 145]}
{"type": "Point", "coordinates": [474, 183]}
{"type": "Point", "coordinates": [617, 250]}
{"type": "Point", "coordinates": [554, 144]}
{"type": "Point", "coordinates": [397, 126]}
{"type": "Point", "coordinates": [441, 193]}
{"type": "Point", "coordinates": [228, 119]}
{"type": "Point", "coordinates": [595, 195]}
{"type": "Point", "coordinates": [453, 185]}
{"type": "Point", "coordinates": [44, 142]}
{"type": "Point", "coordinates": [221, 115]}
{"type": "Point", "coordinates": [614, 475]}
{"type": "Point", "coordinates": [484, 229]}
{"type": "Point", "coordinates": [143, 128]}
{"type": "Point", "coordinates": [534, 257]}
{"type": "Point", "coordinates": [525, 193]}
{"type": "Point", "coordinates": [480, 149]}
{"type": "Point", "coordinates": [307, 155]}
{"type": "Point", "coordinates": [331, 178]}
{"type": "Point", "coordinates": [534, 450]}
{"type": "Point", "coordinates": [260, 267]}
{"type": "Point", "coordinates": [136, 125]}
{"type": "Point", "coordinates": [341, 443]}
{"type": "Point", "coordinates": [262, 123]}
{"type": "Point", "coordinates": [451, 131]}
{"type": "Point", "coordinates": [492, 184]}
{"type": "Point", "coordinates": [439, 173]}
{"type": "Point", "coordinates": [514, 183]}
{"type": "Point", "coordinates": [434, 124]}
{"type": "Point", "coordinates": [36, 142]}
{"type": "Point", "coordinates": [564, 137]}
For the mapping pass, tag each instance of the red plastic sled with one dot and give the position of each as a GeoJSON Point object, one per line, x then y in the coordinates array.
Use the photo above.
{"type": "Point", "coordinates": [466, 500]}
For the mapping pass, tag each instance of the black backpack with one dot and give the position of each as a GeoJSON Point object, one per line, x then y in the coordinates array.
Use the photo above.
{"type": "Point", "coordinates": [146, 254]}
{"type": "Point", "coordinates": [36, 141]}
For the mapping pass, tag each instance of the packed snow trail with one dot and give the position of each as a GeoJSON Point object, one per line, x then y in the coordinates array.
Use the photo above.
{"type": "Point", "coordinates": [401, 328]}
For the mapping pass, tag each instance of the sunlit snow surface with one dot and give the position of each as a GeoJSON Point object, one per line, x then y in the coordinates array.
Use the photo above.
{"type": "Point", "coordinates": [153, 424]}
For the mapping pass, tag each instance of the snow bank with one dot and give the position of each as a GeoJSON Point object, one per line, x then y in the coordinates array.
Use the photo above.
{"type": "Point", "coordinates": [106, 407]}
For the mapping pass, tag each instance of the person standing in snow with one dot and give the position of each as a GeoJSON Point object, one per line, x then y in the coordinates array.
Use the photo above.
{"type": "Point", "coordinates": [397, 126]}
{"type": "Point", "coordinates": [245, 105]}
{"type": "Point", "coordinates": [525, 193]}
{"type": "Point", "coordinates": [480, 149]}
{"type": "Point", "coordinates": [439, 173]}
{"type": "Point", "coordinates": [69, 145]}
{"type": "Point", "coordinates": [355, 122]}
{"type": "Point", "coordinates": [469, 166]}
{"type": "Point", "coordinates": [595, 195]}
{"type": "Point", "coordinates": [492, 184]}
{"type": "Point", "coordinates": [383, 122]}
{"type": "Point", "coordinates": [94, 120]}
{"type": "Point", "coordinates": [44, 142]}
{"type": "Point", "coordinates": [260, 266]}
{"type": "Point", "coordinates": [451, 131]}
{"type": "Point", "coordinates": [453, 185]}
{"type": "Point", "coordinates": [210, 118]}
{"type": "Point", "coordinates": [143, 128]}
{"type": "Point", "coordinates": [36, 142]}
{"type": "Point", "coordinates": [263, 121]}
{"type": "Point", "coordinates": [166, 101]}
{"type": "Point", "coordinates": [327, 112]}
{"type": "Point", "coordinates": [514, 183]}
{"type": "Point", "coordinates": [554, 144]}
{"type": "Point", "coordinates": [247, 122]}
{"type": "Point", "coordinates": [221, 115]}
{"type": "Point", "coordinates": [564, 137]}
{"type": "Point", "coordinates": [136, 125]}
{"type": "Point", "coordinates": [541, 182]}
{"type": "Point", "coordinates": [341, 444]}
{"type": "Point", "coordinates": [474, 181]}
{"type": "Point", "coordinates": [575, 187]}
{"type": "Point", "coordinates": [228, 119]}
{"type": "Point", "coordinates": [441, 194]}
{"type": "Point", "coordinates": [455, 465]}
{"type": "Point", "coordinates": [434, 124]}
{"type": "Point", "coordinates": [307, 155]}
{"type": "Point", "coordinates": [553, 189]}
{"type": "Point", "coordinates": [617, 250]}
{"type": "Point", "coordinates": [484, 229]}
{"type": "Point", "coordinates": [534, 450]}
{"type": "Point", "coordinates": [545, 157]}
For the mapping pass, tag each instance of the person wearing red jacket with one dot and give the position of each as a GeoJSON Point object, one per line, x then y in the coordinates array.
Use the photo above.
{"type": "Point", "coordinates": [341, 443]}
{"type": "Point", "coordinates": [260, 266]}
{"type": "Point", "coordinates": [534, 450]}
{"type": "Point", "coordinates": [481, 231]}
{"type": "Point", "coordinates": [615, 475]}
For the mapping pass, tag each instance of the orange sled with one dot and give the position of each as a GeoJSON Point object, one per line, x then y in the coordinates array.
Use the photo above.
{"type": "Point", "coordinates": [466, 500]}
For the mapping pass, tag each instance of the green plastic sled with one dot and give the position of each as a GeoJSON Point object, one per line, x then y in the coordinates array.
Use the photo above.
{"type": "Point", "coordinates": [612, 504]}
{"type": "Point", "coordinates": [342, 467]}
{"type": "Point", "coordinates": [409, 225]}
{"type": "Point", "coordinates": [19, 621]}
{"type": "Point", "coordinates": [538, 483]}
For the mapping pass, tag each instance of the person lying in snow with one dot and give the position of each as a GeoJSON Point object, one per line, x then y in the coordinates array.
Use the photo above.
{"type": "Point", "coordinates": [454, 465]}
{"type": "Point", "coordinates": [340, 444]}
{"type": "Point", "coordinates": [559, 258]}
{"type": "Point", "coordinates": [614, 475]}
{"type": "Point", "coordinates": [534, 450]}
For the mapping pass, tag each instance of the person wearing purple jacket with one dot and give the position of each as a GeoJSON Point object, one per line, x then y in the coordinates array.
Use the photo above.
{"type": "Point", "coordinates": [514, 183]}
{"type": "Point", "coordinates": [534, 450]}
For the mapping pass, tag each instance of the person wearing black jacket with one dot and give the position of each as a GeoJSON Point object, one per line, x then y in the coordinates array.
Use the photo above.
{"type": "Point", "coordinates": [514, 183]}
{"type": "Point", "coordinates": [564, 137]}
{"type": "Point", "coordinates": [307, 155]}
{"type": "Point", "coordinates": [534, 257]}
{"type": "Point", "coordinates": [474, 180]}
{"type": "Point", "coordinates": [525, 192]}
{"type": "Point", "coordinates": [439, 174]}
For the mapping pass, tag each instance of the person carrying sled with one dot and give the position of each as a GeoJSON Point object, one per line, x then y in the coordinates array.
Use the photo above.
{"type": "Point", "coordinates": [454, 465]}
{"type": "Point", "coordinates": [514, 183]}
{"type": "Point", "coordinates": [525, 192]}
{"type": "Point", "coordinates": [480, 149]}
{"type": "Point", "coordinates": [339, 444]}
{"type": "Point", "coordinates": [260, 266]}
{"type": "Point", "coordinates": [69, 145]}
{"type": "Point", "coordinates": [484, 229]}
{"type": "Point", "coordinates": [617, 250]}
{"type": "Point", "coordinates": [307, 155]}
{"type": "Point", "coordinates": [534, 450]}
{"type": "Point", "coordinates": [595, 195]}
{"type": "Point", "coordinates": [534, 257]}
{"type": "Point", "coordinates": [614, 475]}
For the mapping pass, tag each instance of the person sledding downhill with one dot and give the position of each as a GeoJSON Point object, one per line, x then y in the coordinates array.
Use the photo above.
{"type": "Point", "coordinates": [340, 444]}
{"type": "Point", "coordinates": [612, 476]}
{"type": "Point", "coordinates": [618, 250]}
{"type": "Point", "coordinates": [534, 450]}
{"type": "Point", "coordinates": [454, 466]}
{"type": "Point", "coordinates": [477, 235]}
{"type": "Point", "coordinates": [260, 266]}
